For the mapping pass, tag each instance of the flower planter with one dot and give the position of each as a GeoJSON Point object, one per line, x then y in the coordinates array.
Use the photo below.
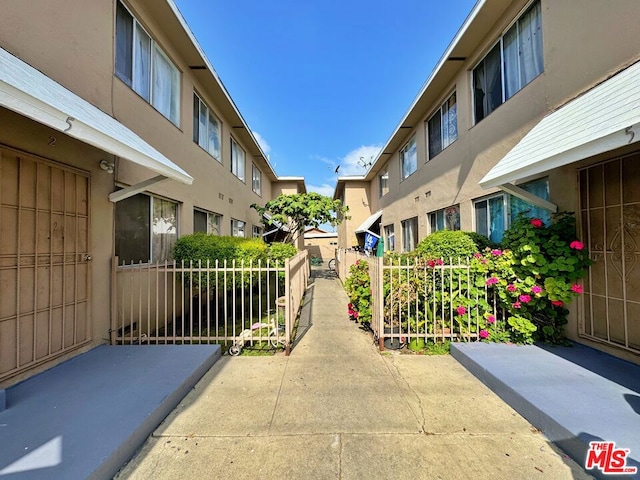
{"type": "Point", "coordinates": [392, 343]}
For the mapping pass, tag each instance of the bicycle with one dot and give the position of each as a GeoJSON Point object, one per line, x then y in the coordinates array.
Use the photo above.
{"type": "Point", "coordinates": [332, 265]}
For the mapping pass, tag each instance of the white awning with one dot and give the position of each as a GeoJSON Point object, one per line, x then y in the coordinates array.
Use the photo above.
{"type": "Point", "coordinates": [603, 119]}
{"type": "Point", "coordinates": [29, 92]}
{"type": "Point", "coordinates": [367, 224]}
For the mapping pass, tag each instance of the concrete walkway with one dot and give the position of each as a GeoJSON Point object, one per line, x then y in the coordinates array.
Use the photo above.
{"type": "Point", "coordinates": [337, 409]}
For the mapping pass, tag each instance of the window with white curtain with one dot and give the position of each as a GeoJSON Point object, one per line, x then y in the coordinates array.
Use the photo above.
{"type": "Point", "coordinates": [511, 64]}
{"type": "Point", "coordinates": [442, 127]}
{"type": "Point", "coordinates": [142, 65]}
{"type": "Point", "coordinates": [409, 158]}
{"type": "Point", "coordinates": [445, 219]}
{"type": "Point", "coordinates": [206, 222]}
{"type": "Point", "coordinates": [206, 128]}
{"type": "Point", "coordinates": [494, 214]}
{"type": "Point", "coordinates": [409, 234]}
{"type": "Point", "coordinates": [383, 182]}
{"type": "Point", "coordinates": [389, 238]}
{"type": "Point", "coordinates": [146, 229]}
{"type": "Point", "coordinates": [237, 228]}
{"type": "Point", "coordinates": [237, 160]}
{"type": "Point", "coordinates": [256, 180]}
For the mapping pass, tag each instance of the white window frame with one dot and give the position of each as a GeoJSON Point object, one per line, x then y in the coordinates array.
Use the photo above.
{"type": "Point", "coordinates": [500, 43]}
{"type": "Point", "coordinates": [147, 88]}
{"type": "Point", "coordinates": [408, 152]}
{"type": "Point", "coordinates": [256, 231]}
{"type": "Point", "coordinates": [447, 137]}
{"type": "Point", "coordinates": [383, 182]}
{"type": "Point", "coordinates": [212, 218]}
{"type": "Point", "coordinates": [409, 244]}
{"type": "Point", "coordinates": [237, 227]}
{"type": "Point", "coordinates": [256, 180]}
{"type": "Point", "coordinates": [389, 237]}
{"type": "Point", "coordinates": [237, 160]}
{"type": "Point", "coordinates": [202, 134]}
{"type": "Point", "coordinates": [153, 228]}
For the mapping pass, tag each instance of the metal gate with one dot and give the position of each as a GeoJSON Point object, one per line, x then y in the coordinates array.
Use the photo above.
{"type": "Point", "coordinates": [45, 273]}
{"type": "Point", "coordinates": [610, 209]}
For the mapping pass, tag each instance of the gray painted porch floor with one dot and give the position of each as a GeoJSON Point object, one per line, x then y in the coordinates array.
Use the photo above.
{"type": "Point", "coordinates": [574, 395]}
{"type": "Point", "coordinates": [85, 417]}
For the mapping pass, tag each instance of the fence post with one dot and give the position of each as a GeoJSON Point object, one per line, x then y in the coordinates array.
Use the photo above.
{"type": "Point", "coordinates": [287, 310]}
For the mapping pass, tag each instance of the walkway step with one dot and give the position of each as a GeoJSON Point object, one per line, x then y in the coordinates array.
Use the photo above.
{"type": "Point", "coordinates": [574, 395]}
{"type": "Point", "coordinates": [88, 416]}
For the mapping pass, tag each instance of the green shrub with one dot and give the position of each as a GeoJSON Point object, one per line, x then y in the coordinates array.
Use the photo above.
{"type": "Point", "coordinates": [203, 247]}
{"type": "Point", "coordinates": [447, 244]}
{"type": "Point", "coordinates": [279, 251]}
{"type": "Point", "coordinates": [358, 288]}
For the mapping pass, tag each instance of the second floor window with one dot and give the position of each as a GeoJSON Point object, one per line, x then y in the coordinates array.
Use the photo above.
{"type": "Point", "coordinates": [383, 182]}
{"type": "Point", "coordinates": [442, 127]}
{"type": "Point", "coordinates": [142, 65]}
{"type": "Point", "coordinates": [237, 160]}
{"type": "Point", "coordinates": [409, 158]}
{"type": "Point", "coordinates": [256, 180]}
{"type": "Point", "coordinates": [206, 128]}
{"type": "Point", "coordinates": [511, 64]}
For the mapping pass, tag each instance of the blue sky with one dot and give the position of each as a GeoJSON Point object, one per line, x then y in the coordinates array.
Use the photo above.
{"type": "Point", "coordinates": [323, 83]}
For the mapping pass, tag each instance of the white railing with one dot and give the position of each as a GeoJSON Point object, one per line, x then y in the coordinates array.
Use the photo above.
{"type": "Point", "coordinates": [229, 303]}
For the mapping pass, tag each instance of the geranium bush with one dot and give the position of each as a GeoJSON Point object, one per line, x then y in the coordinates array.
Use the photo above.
{"type": "Point", "coordinates": [358, 288]}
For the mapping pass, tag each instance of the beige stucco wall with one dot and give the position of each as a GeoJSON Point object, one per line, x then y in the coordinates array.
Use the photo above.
{"type": "Point", "coordinates": [357, 196]}
{"type": "Point", "coordinates": [323, 247]}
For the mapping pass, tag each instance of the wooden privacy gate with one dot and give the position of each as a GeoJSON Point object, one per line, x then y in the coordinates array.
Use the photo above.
{"type": "Point", "coordinates": [45, 273]}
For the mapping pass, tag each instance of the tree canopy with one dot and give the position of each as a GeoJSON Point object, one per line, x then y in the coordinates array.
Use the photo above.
{"type": "Point", "coordinates": [301, 210]}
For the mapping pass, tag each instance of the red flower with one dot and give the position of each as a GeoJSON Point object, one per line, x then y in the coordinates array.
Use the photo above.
{"type": "Point", "coordinates": [484, 334]}
{"type": "Point", "coordinates": [576, 245]}
{"type": "Point", "coordinates": [491, 319]}
{"type": "Point", "coordinates": [461, 310]}
{"type": "Point", "coordinates": [537, 223]}
{"type": "Point", "coordinates": [576, 288]}
{"type": "Point", "coordinates": [511, 287]}
{"type": "Point", "coordinates": [556, 303]}
{"type": "Point", "coordinates": [439, 261]}
{"type": "Point", "coordinates": [516, 305]}
{"type": "Point", "coordinates": [431, 263]}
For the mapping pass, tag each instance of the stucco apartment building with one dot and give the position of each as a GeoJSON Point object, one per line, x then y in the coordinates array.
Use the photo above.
{"type": "Point", "coordinates": [535, 105]}
{"type": "Point", "coordinates": [116, 137]}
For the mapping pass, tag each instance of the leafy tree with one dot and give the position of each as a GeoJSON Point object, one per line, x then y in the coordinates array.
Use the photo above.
{"type": "Point", "coordinates": [301, 210]}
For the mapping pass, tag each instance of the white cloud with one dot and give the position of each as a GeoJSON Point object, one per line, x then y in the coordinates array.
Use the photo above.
{"type": "Point", "coordinates": [262, 142]}
{"type": "Point", "coordinates": [324, 189]}
{"type": "Point", "coordinates": [358, 161]}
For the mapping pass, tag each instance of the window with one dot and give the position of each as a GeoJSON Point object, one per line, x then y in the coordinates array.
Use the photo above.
{"type": "Point", "coordinates": [409, 158]}
{"type": "Point", "coordinates": [256, 179]}
{"type": "Point", "coordinates": [142, 65]}
{"type": "Point", "coordinates": [445, 219]}
{"type": "Point", "coordinates": [206, 128]}
{"type": "Point", "coordinates": [146, 229]}
{"type": "Point", "coordinates": [256, 231]}
{"type": "Point", "coordinates": [383, 182]}
{"type": "Point", "coordinates": [237, 160]}
{"type": "Point", "coordinates": [494, 214]}
{"type": "Point", "coordinates": [409, 234]}
{"type": "Point", "coordinates": [389, 238]}
{"type": "Point", "coordinates": [515, 60]}
{"type": "Point", "coordinates": [442, 128]}
{"type": "Point", "coordinates": [206, 222]}
{"type": "Point", "coordinates": [237, 228]}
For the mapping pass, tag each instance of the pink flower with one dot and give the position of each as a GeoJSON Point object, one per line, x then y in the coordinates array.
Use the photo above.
{"type": "Point", "coordinates": [525, 298]}
{"type": "Point", "coordinates": [484, 334]}
{"type": "Point", "coordinates": [496, 252]}
{"type": "Point", "coordinates": [483, 261]}
{"type": "Point", "coordinates": [491, 281]}
{"type": "Point", "coordinates": [576, 245]}
{"type": "Point", "coordinates": [556, 303]}
{"type": "Point", "coordinates": [537, 223]}
{"type": "Point", "coordinates": [477, 255]}
{"type": "Point", "coordinates": [355, 314]}
{"type": "Point", "coordinates": [439, 261]}
{"type": "Point", "coordinates": [576, 288]}
{"type": "Point", "coordinates": [536, 289]}
{"type": "Point", "coordinates": [491, 319]}
{"type": "Point", "coordinates": [516, 305]}
{"type": "Point", "coordinates": [511, 287]}
{"type": "Point", "coordinates": [461, 310]}
{"type": "Point", "coordinates": [431, 263]}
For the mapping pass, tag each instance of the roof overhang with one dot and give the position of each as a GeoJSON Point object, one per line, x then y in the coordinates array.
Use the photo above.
{"type": "Point", "coordinates": [603, 119]}
{"type": "Point", "coordinates": [26, 91]}
{"type": "Point", "coordinates": [368, 223]}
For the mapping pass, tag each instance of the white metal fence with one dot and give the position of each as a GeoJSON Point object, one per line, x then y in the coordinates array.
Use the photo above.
{"type": "Point", "coordinates": [232, 304]}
